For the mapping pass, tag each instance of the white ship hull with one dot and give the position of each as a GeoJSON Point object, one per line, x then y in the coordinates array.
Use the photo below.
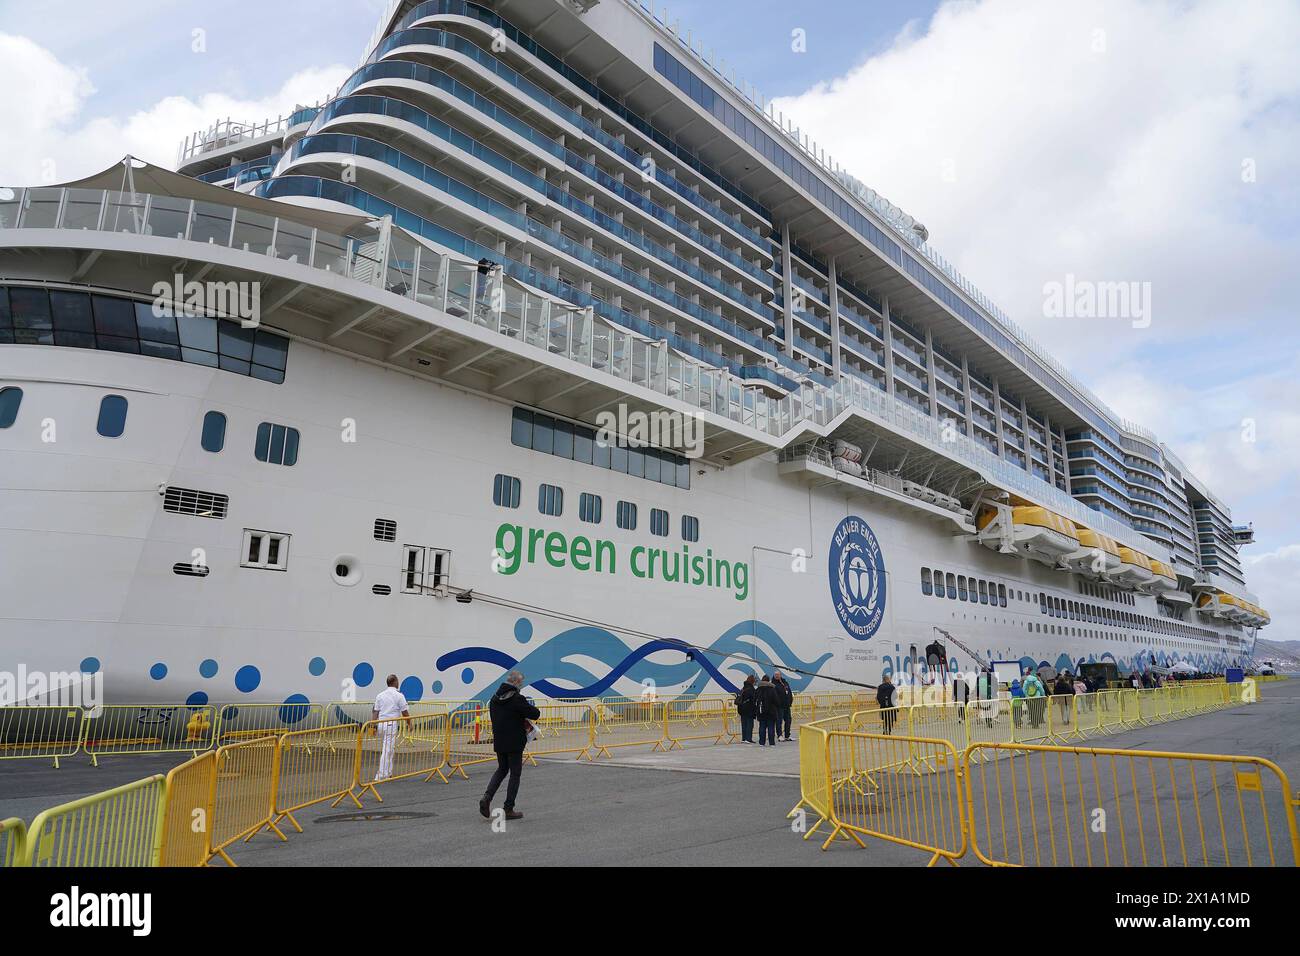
{"type": "Point", "coordinates": [89, 551]}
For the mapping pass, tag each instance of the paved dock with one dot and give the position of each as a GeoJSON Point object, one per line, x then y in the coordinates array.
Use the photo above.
{"type": "Point", "coordinates": [701, 805]}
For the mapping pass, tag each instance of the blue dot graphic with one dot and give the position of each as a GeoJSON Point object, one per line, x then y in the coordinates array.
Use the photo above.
{"type": "Point", "coordinates": [523, 630]}
{"type": "Point", "coordinates": [363, 674]}
{"type": "Point", "coordinates": [294, 709]}
{"type": "Point", "coordinates": [436, 687]}
{"type": "Point", "coordinates": [247, 678]}
{"type": "Point", "coordinates": [208, 668]}
{"type": "Point", "coordinates": [90, 665]}
{"type": "Point", "coordinates": [412, 688]}
{"type": "Point", "coordinates": [196, 699]}
{"type": "Point", "coordinates": [158, 671]}
{"type": "Point", "coordinates": [467, 675]}
{"type": "Point", "coordinates": [316, 666]}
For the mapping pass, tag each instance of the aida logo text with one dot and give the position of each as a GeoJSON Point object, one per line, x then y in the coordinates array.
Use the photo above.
{"type": "Point", "coordinates": [132, 911]}
{"type": "Point", "coordinates": [231, 300]}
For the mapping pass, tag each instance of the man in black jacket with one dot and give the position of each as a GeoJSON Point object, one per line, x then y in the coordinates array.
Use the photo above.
{"type": "Point", "coordinates": [785, 705]}
{"type": "Point", "coordinates": [746, 707]}
{"type": "Point", "coordinates": [768, 704]}
{"type": "Point", "coordinates": [510, 712]}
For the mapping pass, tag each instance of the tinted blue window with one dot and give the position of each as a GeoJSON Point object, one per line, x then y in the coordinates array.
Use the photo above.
{"type": "Point", "coordinates": [276, 444]}
{"type": "Point", "coordinates": [550, 500]}
{"type": "Point", "coordinates": [521, 428]}
{"type": "Point", "coordinates": [214, 432]}
{"type": "Point", "coordinates": [112, 416]}
{"type": "Point", "coordinates": [626, 515]}
{"type": "Point", "coordinates": [505, 491]}
{"type": "Point", "coordinates": [10, 399]}
{"type": "Point", "coordinates": [658, 522]}
{"type": "Point", "coordinates": [690, 528]}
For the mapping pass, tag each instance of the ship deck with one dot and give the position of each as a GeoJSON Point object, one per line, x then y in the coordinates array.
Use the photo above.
{"type": "Point", "coordinates": [697, 806]}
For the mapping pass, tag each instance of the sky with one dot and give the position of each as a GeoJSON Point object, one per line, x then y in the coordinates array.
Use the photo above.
{"type": "Point", "coordinates": [1041, 143]}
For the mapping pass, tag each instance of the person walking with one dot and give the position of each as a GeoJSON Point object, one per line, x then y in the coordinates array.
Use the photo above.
{"type": "Point", "coordinates": [511, 713]}
{"type": "Point", "coordinates": [389, 705]}
{"type": "Point", "coordinates": [1063, 691]}
{"type": "Point", "coordinates": [746, 707]}
{"type": "Point", "coordinates": [1017, 702]}
{"type": "Point", "coordinates": [885, 701]}
{"type": "Point", "coordinates": [1037, 695]}
{"type": "Point", "coordinates": [768, 708]}
{"type": "Point", "coordinates": [785, 704]}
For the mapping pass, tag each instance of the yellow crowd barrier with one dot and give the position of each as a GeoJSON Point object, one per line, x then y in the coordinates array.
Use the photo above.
{"type": "Point", "coordinates": [815, 779]}
{"type": "Point", "coordinates": [469, 737]}
{"type": "Point", "coordinates": [397, 748]}
{"type": "Point", "coordinates": [40, 731]}
{"type": "Point", "coordinates": [119, 827]}
{"type": "Point", "coordinates": [696, 718]}
{"type": "Point", "coordinates": [1075, 806]}
{"type": "Point", "coordinates": [315, 766]}
{"type": "Point", "coordinates": [563, 728]}
{"type": "Point", "coordinates": [626, 722]}
{"type": "Point", "coordinates": [244, 793]}
{"type": "Point", "coordinates": [13, 837]}
{"type": "Point", "coordinates": [187, 825]}
{"type": "Point", "coordinates": [147, 728]}
{"type": "Point", "coordinates": [236, 722]}
{"type": "Point", "coordinates": [876, 792]}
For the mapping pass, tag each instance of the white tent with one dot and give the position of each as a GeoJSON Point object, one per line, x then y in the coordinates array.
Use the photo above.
{"type": "Point", "coordinates": [1182, 667]}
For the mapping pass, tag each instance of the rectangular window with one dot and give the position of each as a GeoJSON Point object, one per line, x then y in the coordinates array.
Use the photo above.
{"type": "Point", "coordinates": [927, 587]}
{"type": "Point", "coordinates": [952, 586]}
{"type": "Point", "coordinates": [690, 528]}
{"type": "Point", "coordinates": [276, 444]}
{"type": "Point", "coordinates": [658, 522]}
{"type": "Point", "coordinates": [265, 550]}
{"type": "Point", "coordinates": [961, 587]}
{"type": "Point", "coordinates": [589, 508]}
{"type": "Point", "coordinates": [626, 515]}
{"type": "Point", "coordinates": [412, 569]}
{"type": "Point", "coordinates": [505, 491]}
{"type": "Point", "coordinates": [550, 500]}
{"type": "Point", "coordinates": [984, 592]}
{"type": "Point", "coordinates": [1002, 595]}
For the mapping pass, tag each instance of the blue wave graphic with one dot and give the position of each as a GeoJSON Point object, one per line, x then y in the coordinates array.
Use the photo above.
{"type": "Point", "coordinates": [549, 662]}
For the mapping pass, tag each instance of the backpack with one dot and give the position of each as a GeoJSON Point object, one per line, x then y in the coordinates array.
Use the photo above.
{"type": "Point", "coordinates": [1031, 688]}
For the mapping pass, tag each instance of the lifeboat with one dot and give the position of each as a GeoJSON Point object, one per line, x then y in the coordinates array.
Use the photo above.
{"type": "Point", "coordinates": [1234, 608]}
{"type": "Point", "coordinates": [1096, 556]}
{"type": "Point", "coordinates": [1029, 531]}
{"type": "Point", "coordinates": [1164, 579]}
{"type": "Point", "coordinates": [1210, 604]}
{"type": "Point", "coordinates": [1134, 570]}
{"type": "Point", "coordinates": [1176, 598]}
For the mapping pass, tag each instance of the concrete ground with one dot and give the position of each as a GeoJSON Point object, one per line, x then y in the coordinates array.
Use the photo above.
{"type": "Point", "coordinates": [701, 805]}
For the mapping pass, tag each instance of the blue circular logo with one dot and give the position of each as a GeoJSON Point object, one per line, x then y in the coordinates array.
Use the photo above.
{"type": "Point", "coordinates": [857, 577]}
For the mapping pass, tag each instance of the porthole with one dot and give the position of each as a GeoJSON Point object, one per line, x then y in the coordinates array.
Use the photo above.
{"type": "Point", "coordinates": [346, 570]}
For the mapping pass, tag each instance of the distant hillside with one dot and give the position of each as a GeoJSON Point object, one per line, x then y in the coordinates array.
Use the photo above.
{"type": "Point", "coordinates": [1285, 655]}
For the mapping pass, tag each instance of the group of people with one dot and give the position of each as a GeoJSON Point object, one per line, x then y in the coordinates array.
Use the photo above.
{"type": "Point", "coordinates": [769, 701]}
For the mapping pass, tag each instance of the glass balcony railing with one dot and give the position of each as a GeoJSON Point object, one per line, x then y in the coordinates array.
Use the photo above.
{"type": "Point", "coordinates": [626, 347]}
{"type": "Point", "coordinates": [374, 149]}
{"type": "Point", "coordinates": [253, 170]}
{"type": "Point", "coordinates": [424, 36]}
{"type": "Point", "coordinates": [376, 73]}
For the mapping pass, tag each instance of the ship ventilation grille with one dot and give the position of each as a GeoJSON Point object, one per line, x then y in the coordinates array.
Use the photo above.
{"type": "Point", "coordinates": [381, 589]}
{"type": "Point", "coordinates": [385, 529]}
{"type": "Point", "coordinates": [201, 504]}
{"type": "Point", "coordinates": [190, 570]}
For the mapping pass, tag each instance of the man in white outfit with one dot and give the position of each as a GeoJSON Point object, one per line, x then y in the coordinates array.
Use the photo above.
{"type": "Point", "coordinates": [389, 704]}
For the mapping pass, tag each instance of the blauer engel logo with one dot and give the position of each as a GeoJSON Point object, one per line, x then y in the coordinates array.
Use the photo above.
{"type": "Point", "coordinates": [857, 577]}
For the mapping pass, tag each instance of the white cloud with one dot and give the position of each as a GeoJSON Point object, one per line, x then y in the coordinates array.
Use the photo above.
{"type": "Point", "coordinates": [1103, 139]}
{"type": "Point", "coordinates": [48, 137]}
{"type": "Point", "coordinates": [1273, 576]}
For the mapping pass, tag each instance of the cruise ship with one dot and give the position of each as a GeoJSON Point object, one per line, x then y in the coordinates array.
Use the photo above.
{"type": "Point", "coordinates": [546, 343]}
